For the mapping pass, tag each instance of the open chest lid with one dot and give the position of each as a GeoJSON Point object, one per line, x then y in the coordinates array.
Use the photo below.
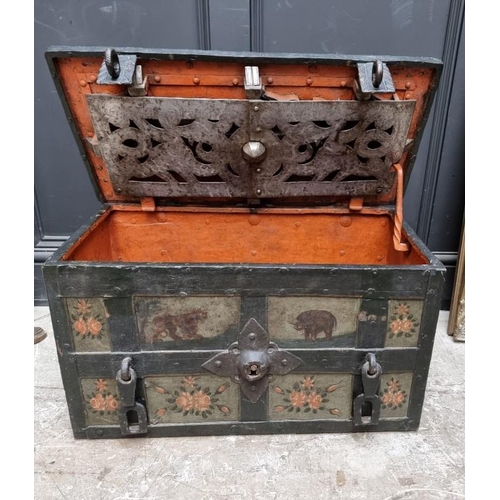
{"type": "Point", "coordinates": [243, 128]}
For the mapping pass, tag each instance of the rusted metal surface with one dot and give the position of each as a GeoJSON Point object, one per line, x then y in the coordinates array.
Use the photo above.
{"type": "Point", "coordinates": [166, 147]}
{"type": "Point", "coordinates": [252, 361]}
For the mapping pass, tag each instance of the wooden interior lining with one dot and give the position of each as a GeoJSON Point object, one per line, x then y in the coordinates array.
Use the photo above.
{"type": "Point", "coordinates": [241, 236]}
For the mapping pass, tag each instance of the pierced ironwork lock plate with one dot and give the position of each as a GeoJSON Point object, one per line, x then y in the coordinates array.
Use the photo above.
{"type": "Point", "coordinates": [252, 361]}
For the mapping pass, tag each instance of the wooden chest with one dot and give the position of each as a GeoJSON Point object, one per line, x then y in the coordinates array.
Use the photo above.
{"type": "Point", "coordinates": [250, 270]}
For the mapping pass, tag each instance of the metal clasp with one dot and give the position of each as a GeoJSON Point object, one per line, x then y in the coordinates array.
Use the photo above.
{"type": "Point", "coordinates": [252, 361]}
{"type": "Point", "coordinates": [117, 69]}
{"type": "Point", "coordinates": [373, 78]}
{"type": "Point", "coordinates": [366, 406]}
{"type": "Point", "coordinates": [133, 415]}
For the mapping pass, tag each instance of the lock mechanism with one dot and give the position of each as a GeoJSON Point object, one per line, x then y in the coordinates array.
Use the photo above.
{"type": "Point", "coordinates": [133, 416]}
{"type": "Point", "coordinates": [366, 406]}
{"type": "Point", "coordinates": [253, 361]}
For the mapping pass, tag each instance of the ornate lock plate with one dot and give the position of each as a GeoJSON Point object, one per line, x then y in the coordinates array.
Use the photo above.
{"type": "Point", "coordinates": [253, 361]}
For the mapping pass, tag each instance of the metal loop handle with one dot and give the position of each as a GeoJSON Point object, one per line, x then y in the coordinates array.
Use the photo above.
{"type": "Point", "coordinates": [112, 63]}
{"type": "Point", "coordinates": [125, 369]}
{"type": "Point", "coordinates": [377, 73]}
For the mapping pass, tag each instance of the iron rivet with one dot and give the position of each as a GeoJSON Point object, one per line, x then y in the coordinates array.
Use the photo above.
{"type": "Point", "coordinates": [343, 83]}
{"type": "Point", "coordinates": [236, 350]}
{"type": "Point", "coordinates": [157, 78]}
{"type": "Point", "coordinates": [119, 190]}
{"type": "Point", "coordinates": [270, 80]}
{"type": "Point", "coordinates": [345, 221]}
{"type": "Point", "coordinates": [309, 81]}
{"type": "Point", "coordinates": [189, 65]}
{"type": "Point", "coordinates": [218, 363]}
{"type": "Point", "coordinates": [163, 252]}
{"type": "Point", "coordinates": [297, 224]}
{"type": "Point", "coordinates": [284, 362]}
{"type": "Point", "coordinates": [83, 83]}
{"type": "Point", "coordinates": [259, 170]}
{"type": "Point", "coordinates": [254, 219]}
{"type": "Point", "coordinates": [407, 97]}
{"type": "Point", "coordinates": [259, 191]}
{"type": "Point", "coordinates": [324, 361]}
{"type": "Point", "coordinates": [408, 85]}
{"type": "Point", "coordinates": [258, 129]}
{"type": "Point", "coordinates": [134, 221]}
{"type": "Point", "coordinates": [252, 336]}
{"type": "Point", "coordinates": [92, 78]}
{"type": "Point", "coordinates": [384, 223]}
{"type": "Point", "coordinates": [256, 108]}
{"type": "Point", "coordinates": [254, 252]}
{"type": "Point", "coordinates": [196, 80]}
{"type": "Point", "coordinates": [379, 258]}
{"type": "Point", "coordinates": [235, 81]}
{"type": "Point", "coordinates": [253, 388]}
{"type": "Point", "coordinates": [270, 350]}
{"type": "Point", "coordinates": [342, 253]}
{"type": "Point", "coordinates": [379, 190]}
{"type": "Point", "coordinates": [99, 432]}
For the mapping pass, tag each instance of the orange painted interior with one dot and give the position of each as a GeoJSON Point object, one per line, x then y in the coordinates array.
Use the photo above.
{"type": "Point", "coordinates": [267, 236]}
{"type": "Point", "coordinates": [215, 80]}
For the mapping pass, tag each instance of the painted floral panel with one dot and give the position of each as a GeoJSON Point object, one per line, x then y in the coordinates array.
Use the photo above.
{"type": "Point", "coordinates": [403, 325]}
{"type": "Point", "coordinates": [192, 399]}
{"type": "Point", "coordinates": [186, 319]}
{"type": "Point", "coordinates": [89, 326]}
{"type": "Point", "coordinates": [313, 319]}
{"type": "Point", "coordinates": [394, 394]}
{"type": "Point", "coordinates": [102, 403]}
{"type": "Point", "coordinates": [310, 397]}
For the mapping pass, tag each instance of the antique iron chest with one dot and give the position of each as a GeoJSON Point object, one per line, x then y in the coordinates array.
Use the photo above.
{"type": "Point", "coordinates": [250, 270]}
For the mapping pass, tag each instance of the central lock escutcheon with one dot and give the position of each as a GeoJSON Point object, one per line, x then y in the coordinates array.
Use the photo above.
{"type": "Point", "coordinates": [252, 361]}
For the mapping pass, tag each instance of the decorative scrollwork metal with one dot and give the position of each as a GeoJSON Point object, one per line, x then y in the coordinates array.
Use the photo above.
{"type": "Point", "coordinates": [167, 147]}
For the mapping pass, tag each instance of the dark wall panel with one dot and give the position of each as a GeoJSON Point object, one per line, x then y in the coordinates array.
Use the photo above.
{"type": "Point", "coordinates": [64, 193]}
{"type": "Point", "coordinates": [447, 213]}
{"type": "Point", "coordinates": [396, 27]}
{"type": "Point", "coordinates": [229, 25]}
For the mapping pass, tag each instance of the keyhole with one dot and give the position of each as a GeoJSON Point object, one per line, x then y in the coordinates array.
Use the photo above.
{"type": "Point", "coordinates": [133, 421]}
{"type": "Point", "coordinates": [254, 370]}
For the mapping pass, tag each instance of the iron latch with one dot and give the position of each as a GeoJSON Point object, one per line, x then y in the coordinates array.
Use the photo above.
{"type": "Point", "coordinates": [253, 361]}
{"type": "Point", "coordinates": [366, 406]}
{"type": "Point", "coordinates": [117, 69]}
{"type": "Point", "coordinates": [133, 416]}
{"type": "Point", "coordinates": [373, 78]}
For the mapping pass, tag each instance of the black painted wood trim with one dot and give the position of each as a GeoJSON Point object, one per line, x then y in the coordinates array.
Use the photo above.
{"type": "Point", "coordinates": [442, 105]}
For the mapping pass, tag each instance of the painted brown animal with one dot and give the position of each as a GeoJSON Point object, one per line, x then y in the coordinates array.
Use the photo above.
{"type": "Point", "coordinates": [314, 322]}
{"type": "Point", "coordinates": [178, 326]}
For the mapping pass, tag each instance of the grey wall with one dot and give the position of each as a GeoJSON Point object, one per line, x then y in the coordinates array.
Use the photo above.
{"type": "Point", "coordinates": [434, 200]}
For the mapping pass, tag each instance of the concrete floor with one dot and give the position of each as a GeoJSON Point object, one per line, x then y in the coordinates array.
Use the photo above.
{"type": "Point", "coordinates": [423, 465]}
